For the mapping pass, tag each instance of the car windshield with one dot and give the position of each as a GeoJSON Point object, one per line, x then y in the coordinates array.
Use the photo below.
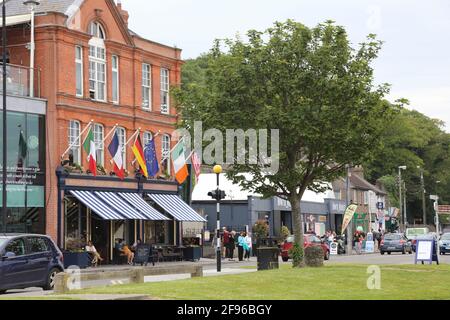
{"type": "Point", "coordinates": [445, 236]}
{"type": "Point", "coordinates": [393, 237]}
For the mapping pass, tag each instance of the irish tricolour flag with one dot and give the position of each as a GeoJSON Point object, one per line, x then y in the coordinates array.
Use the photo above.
{"type": "Point", "coordinates": [179, 162]}
{"type": "Point", "coordinates": [89, 146]}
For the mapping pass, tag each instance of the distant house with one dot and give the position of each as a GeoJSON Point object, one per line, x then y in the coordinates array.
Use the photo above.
{"type": "Point", "coordinates": [241, 209]}
{"type": "Point", "coordinates": [371, 200]}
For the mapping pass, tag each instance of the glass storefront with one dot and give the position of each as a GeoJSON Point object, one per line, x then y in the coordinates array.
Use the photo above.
{"type": "Point", "coordinates": [25, 173]}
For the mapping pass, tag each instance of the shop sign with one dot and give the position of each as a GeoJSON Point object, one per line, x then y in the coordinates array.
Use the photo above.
{"type": "Point", "coordinates": [334, 248]}
{"type": "Point", "coordinates": [370, 246]}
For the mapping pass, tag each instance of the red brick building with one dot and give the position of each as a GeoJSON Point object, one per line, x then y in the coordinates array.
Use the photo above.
{"type": "Point", "coordinates": [90, 67]}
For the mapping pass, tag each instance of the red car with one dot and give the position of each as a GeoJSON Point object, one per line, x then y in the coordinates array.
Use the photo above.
{"type": "Point", "coordinates": [309, 240]}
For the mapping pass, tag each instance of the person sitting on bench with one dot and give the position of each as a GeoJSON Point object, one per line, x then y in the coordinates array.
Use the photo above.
{"type": "Point", "coordinates": [128, 253]}
{"type": "Point", "coordinates": [90, 248]}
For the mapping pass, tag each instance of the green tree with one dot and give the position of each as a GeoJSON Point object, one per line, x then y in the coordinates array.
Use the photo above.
{"type": "Point", "coordinates": [410, 138]}
{"type": "Point", "coordinates": [311, 85]}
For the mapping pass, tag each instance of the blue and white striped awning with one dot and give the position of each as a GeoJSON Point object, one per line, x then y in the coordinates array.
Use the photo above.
{"type": "Point", "coordinates": [176, 207]}
{"type": "Point", "coordinates": [120, 205]}
{"type": "Point", "coordinates": [98, 206]}
{"type": "Point", "coordinates": [140, 204]}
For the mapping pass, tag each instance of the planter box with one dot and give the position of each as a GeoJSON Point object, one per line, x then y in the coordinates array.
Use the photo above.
{"type": "Point", "coordinates": [79, 259]}
{"type": "Point", "coordinates": [192, 253]}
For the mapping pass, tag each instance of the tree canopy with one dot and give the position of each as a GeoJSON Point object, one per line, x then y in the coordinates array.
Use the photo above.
{"type": "Point", "coordinates": [311, 85]}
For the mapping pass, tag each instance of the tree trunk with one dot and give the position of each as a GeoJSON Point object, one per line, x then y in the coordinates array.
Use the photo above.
{"type": "Point", "coordinates": [298, 249]}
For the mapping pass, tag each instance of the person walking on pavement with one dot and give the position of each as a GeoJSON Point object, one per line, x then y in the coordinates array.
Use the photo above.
{"type": "Point", "coordinates": [225, 242]}
{"type": "Point", "coordinates": [248, 246]}
{"type": "Point", "coordinates": [241, 243]}
{"type": "Point", "coordinates": [231, 245]}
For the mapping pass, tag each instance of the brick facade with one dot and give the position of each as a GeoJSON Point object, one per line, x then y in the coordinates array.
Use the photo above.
{"type": "Point", "coordinates": [57, 35]}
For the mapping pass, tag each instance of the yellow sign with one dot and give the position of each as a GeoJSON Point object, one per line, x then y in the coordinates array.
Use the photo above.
{"type": "Point", "coordinates": [348, 216]}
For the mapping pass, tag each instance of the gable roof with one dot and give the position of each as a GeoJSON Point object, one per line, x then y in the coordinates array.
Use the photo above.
{"type": "Point", "coordinates": [360, 183]}
{"type": "Point", "coordinates": [16, 7]}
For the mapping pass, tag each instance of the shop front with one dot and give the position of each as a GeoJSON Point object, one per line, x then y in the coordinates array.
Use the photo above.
{"type": "Point", "coordinates": [25, 173]}
{"type": "Point", "coordinates": [124, 212]}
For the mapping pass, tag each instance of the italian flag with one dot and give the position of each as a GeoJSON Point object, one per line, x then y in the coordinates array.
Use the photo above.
{"type": "Point", "coordinates": [89, 147]}
{"type": "Point", "coordinates": [179, 163]}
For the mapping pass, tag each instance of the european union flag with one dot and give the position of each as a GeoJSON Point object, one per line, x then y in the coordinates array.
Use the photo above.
{"type": "Point", "coordinates": [150, 158]}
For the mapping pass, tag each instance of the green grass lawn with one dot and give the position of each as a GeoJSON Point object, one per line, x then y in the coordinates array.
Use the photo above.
{"type": "Point", "coordinates": [332, 283]}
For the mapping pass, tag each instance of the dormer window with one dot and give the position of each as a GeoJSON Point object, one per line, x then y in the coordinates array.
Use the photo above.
{"type": "Point", "coordinates": [96, 30]}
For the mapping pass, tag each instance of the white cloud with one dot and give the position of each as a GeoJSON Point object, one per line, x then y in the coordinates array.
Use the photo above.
{"type": "Point", "coordinates": [433, 102]}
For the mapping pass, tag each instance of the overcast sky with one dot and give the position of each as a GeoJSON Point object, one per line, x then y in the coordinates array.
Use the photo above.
{"type": "Point", "coordinates": [415, 58]}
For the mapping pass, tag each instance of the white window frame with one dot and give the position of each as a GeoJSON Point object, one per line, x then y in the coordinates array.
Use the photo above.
{"type": "Point", "coordinates": [96, 30]}
{"type": "Point", "coordinates": [165, 87]}
{"type": "Point", "coordinates": [115, 74]}
{"type": "Point", "coordinates": [99, 135]}
{"type": "Point", "coordinates": [147, 137]}
{"type": "Point", "coordinates": [97, 61]}
{"type": "Point", "coordinates": [165, 150]}
{"type": "Point", "coordinates": [79, 61]}
{"type": "Point", "coordinates": [122, 134]}
{"type": "Point", "coordinates": [74, 140]}
{"type": "Point", "coordinates": [147, 85]}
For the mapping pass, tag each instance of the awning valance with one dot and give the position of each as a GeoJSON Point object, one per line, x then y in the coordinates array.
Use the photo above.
{"type": "Point", "coordinates": [98, 206]}
{"type": "Point", "coordinates": [176, 207]}
{"type": "Point", "coordinates": [143, 207]}
{"type": "Point", "coordinates": [120, 205]}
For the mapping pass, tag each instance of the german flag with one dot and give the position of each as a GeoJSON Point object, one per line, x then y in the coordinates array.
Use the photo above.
{"type": "Point", "coordinates": [139, 154]}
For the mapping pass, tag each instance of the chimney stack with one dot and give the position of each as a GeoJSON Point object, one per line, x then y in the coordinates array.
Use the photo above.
{"type": "Point", "coordinates": [123, 13]}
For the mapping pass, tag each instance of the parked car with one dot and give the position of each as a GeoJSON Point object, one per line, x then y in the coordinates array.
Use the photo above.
{"type": "Point", "coordinates": [309, 240]}
{"type": "Point", "coordinates": [413, 233]}
{"type": "Point", "coordinates": [395, 242]}
{"type": "Point", "coordinates": [444, 244]}
{"type": "Point", "coordinates": [28, 260]}
{"type": "Point", "coordinates": [428, 236]}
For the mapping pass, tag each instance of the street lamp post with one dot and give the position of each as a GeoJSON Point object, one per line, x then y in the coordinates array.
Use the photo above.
{"type": "Point", "coordinates": [218, 170]}
{"type": "Point", "coordinates": [402, 211]}
{"type": "Point", "coordinates": [4, 208]}
{"type": "Point", "coordinates": [436, 212]}
{"type": "Point", "coordinates": [424, 208]}
{"type": "Point", "coordinates": [347, 202]}
{"type": "Point", "coordinates": [31, 4]}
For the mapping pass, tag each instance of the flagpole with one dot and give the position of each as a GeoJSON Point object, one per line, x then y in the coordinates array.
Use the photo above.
{"type": "Point", "coordinates": [179, 141]}
{"type": "Point", "coordinates": [133, 136]}
{"type": "Point", "coordinates": [74, 143]}
{"type": "Point", "coordinates": [112, 130]}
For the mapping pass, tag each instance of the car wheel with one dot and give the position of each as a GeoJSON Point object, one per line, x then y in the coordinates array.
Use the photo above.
{"type": "Point", "coordinates": [51, 279]}
{"type": "Point", "coordinates": [389, 252]}
{"type": "Point", "coordinates": [382, 253]}
{"type": "Point", "coordinates": [327, 256]}
{"type": "Point", "coordinates": [285, 259]}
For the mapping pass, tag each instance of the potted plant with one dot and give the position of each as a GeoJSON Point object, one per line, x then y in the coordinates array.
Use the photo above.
{"type": "Point", "coordinates": [75, 255]}
{"type": "Point", "coordinates": [101, 170]}
{"type": "Point", "coordinates": [192, 251]}
{"type": "Point", "coordinates": [74, 168]}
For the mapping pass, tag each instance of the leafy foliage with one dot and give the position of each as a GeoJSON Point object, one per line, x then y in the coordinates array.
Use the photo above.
{"type": "Point", "coordinates": [308, 83]}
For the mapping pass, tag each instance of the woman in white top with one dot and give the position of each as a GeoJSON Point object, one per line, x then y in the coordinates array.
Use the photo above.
{"type": "Point", "coordinates": [248, 247]}
{"type": "Point", "coordinates": [95, 255]}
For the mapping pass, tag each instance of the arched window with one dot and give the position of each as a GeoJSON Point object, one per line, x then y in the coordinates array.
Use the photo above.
{"type": "Point", "coordinates": [97, 63]}
{"type": "Point", "coordinates": [147, 137]}
{"type": "Point", "coordinates": [99, 145]}
{"type": "Point", "coordinates": [96, 30]}
{"type": "Point", "coordinates": [122, 135]}
{"type": "Point", "coordinates": [74, 141]}
{"type": "Point", "coordinates": [165, 151]}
